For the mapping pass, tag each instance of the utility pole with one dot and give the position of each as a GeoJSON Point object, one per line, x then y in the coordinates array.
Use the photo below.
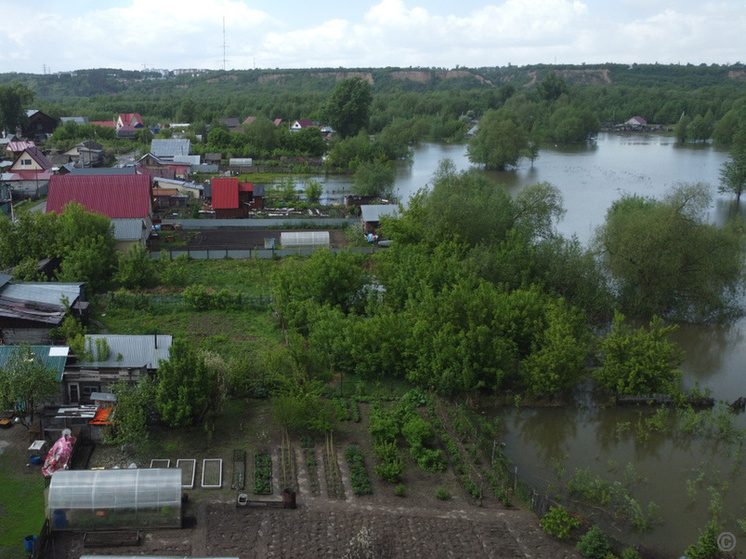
{"type": "Point", "coordinates": [223, 43]}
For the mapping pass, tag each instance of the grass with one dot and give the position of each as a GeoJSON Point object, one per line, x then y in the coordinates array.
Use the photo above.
{"type": "Point", "coordinates": [21, 501]}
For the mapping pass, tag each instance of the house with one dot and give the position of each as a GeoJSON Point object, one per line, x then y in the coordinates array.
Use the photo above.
{"type": "Point", "coordinates": [636, 122]}
{"type": "Point", "coordinates": [133, 120]}
{"type": "Point", "coordinates": [233, 124]}
{"type": "Point", "coordinates": [300, 124]}
{"type": "Point", "coordinates": [85, 154]}
{"type": "Point", "coordinates": [183, 188]}
{"type": "Point", "coordinates": [170, 149]}
{"type": "Point", "coordinates": [16, 147]}
{"type": "Point", "coordinates": [371, 215]}
{"type": "Point", "coordinates": [109, 359]}
{"type": "Point", "coordinates": [169, 168]}
{"type": "Point", "coordinates": [29, 310]}
{"type": "Point", "coordinates": [39, 125]}
{"type": "Point", "coordinates": [115, 196]}
{"type": "Point", "coordinates": [29, 175]}
{"type": "Point", "coordinates": [249, 120]}
{"type": "Point", "coordinates": [231, 199]}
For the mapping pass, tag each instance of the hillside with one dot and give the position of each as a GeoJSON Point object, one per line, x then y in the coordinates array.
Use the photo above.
{"type": "Point", "coordinates": [107, 81]}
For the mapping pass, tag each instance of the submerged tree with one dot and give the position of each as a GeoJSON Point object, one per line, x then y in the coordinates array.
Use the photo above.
{"type": "Point", "coordinates": [639, 361]}
{"type": "Point", "coordinates": [665, 259]}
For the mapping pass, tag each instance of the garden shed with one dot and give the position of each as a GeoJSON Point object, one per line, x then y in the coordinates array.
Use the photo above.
{"type": "Point", "coordinates": [114, 499]}
{"type": "Point", "coordinates": [304, 239]}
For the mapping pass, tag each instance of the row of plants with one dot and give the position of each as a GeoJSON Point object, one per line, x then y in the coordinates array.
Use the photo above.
{"type": "Point", "coordinates": [358, 472]}
{"type": "Point", "coordinates": [312, 464]}
{"type": "Point", "coordinates": [262, 473]}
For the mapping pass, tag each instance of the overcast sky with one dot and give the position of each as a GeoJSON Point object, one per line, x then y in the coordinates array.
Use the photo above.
{"type": "Point", "coordinates": [55, 35]}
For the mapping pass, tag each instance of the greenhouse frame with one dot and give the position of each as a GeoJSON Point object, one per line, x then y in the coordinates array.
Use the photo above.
{"type": "Point", "coordinates": [116, 499]}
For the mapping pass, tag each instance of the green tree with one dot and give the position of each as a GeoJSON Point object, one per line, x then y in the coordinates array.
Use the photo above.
{"type": "Point", "coordinates": [733, 172]}
{"type": "Point", "coordinates": [666, 259]}
{"type": "Point", "coordinates": [25, 382]}
{"type": "Point", "coordinates": [551, 87]}
{"type": "Point", "coordinates": [313, 190]}
{"type": "Point", "coordinates": [136, 269]}
{"type": "Point", "coordinates": [638, 361]}
{"type": "Point", "coordinates": [348, 107]}
{"type": "Point", "coordinates": [557, 358]}
{"type": "Point", "coordinates": [133, 411]}
{"type": "Point", "coordinates": [14, 99]}
{"type": "Point", "coordinates": [374, 178]}
{"type": "Point", "coordinates": [681, 131]}
{"type": "Point", "coordinates": [499, 143]}
{"type": "Point", "coordinates": [184, 385]}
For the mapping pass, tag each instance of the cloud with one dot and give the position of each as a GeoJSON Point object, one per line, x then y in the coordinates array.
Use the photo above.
{"type": "Point", "coordinates": [131, 34]}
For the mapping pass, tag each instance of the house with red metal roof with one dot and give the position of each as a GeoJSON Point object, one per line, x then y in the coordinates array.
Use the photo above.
{"type": "Point", "coordinates": [115, 196]}
{"type": "Point", "coordinates": [126, 199]}
{"type": "Point", "coordinates": [230, 198]}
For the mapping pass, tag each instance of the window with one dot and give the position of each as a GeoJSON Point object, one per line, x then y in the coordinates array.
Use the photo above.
{"type": "Point", "coordinates": [26, 162]}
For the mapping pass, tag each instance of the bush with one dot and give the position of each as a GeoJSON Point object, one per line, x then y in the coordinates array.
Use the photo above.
{"type": "Point", "coordinates": [197, 297]}
{"type": "Point", "coordinates": [442, 493]}
{"type": "Point", "coordinates": [558, 522]}
{"type": "Point", "coordinates": [594, 545]}
{"type": "Point", "coordinates": [400, 490]}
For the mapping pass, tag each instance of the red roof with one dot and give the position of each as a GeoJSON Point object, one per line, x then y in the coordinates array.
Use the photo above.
{"type": "Point", "coordinates": [115, 196]}
{"type": "Point", "coordinates": [129, 119]}
{"type": "Point", "coordinates": [246, 187]}
{"type": "Point", "coordinates": [224, 193]}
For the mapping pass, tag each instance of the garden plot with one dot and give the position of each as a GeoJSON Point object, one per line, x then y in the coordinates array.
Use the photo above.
{"type": "Point", "coordinates": [188, 470]}
{"type": "Point", "coordinates": [212, 473]}
{"type": "Point", "coordinates": [160, 463]}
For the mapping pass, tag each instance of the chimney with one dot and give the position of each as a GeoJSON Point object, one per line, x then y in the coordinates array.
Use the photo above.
{"type": "Point", "coordinates": [155, 339]}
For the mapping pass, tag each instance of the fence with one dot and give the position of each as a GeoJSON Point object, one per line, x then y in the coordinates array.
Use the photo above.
{"type": "Point", "coordinates": [248, 253]}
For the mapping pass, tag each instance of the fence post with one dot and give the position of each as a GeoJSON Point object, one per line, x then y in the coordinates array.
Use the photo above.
{"type": "Point", "coordinates": [515, 479]}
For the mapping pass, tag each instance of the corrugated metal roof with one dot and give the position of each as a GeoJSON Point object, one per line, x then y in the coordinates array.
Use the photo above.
{"type": "Point", "coordinates": [115, 196]}
{"type": "Point", "coordinates": [135, 351]}
{"type": "Point", "coordinates": [53, 357]}
{"type": "Point", "coordinates": [372, 213]}
{"type": "Point", "coordinates": [224, 193]}
{"type": "Point", "coordinates": [48, 293]}
{"type": "Point", "coordinates": [170, 147]}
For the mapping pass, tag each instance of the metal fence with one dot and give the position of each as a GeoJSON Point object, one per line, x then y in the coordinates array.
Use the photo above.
{"type": "Point", "coordinates": [258, 253]}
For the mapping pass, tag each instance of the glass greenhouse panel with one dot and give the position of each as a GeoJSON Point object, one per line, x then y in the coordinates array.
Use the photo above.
{"type": "Point", "coordinates": [114, 499]}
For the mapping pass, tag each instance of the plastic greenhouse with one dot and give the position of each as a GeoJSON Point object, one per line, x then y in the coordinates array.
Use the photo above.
{"type": "Point", "coordinates": [114, 499]}
{"type": "Point", "coordinates": [304, 239]}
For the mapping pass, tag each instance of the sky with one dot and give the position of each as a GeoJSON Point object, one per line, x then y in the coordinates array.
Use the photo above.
{"type": "Point", "coordinates": [50, 36]}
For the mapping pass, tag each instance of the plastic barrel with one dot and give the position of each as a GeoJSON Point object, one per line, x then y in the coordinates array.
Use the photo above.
{"type": "Point", "coordinates": [59, 519]}
{"type": "Point", "coordinates": [29, 542]}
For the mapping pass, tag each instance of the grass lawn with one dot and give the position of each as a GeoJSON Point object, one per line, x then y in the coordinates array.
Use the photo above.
{"type": "Point", "coordinates": [21, 496]}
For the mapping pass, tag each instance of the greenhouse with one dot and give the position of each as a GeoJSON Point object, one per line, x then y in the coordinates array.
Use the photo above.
{"type": "Point", "coordinates": [304, 239]}
{"type": "Point", "coordinates": [114, 499]}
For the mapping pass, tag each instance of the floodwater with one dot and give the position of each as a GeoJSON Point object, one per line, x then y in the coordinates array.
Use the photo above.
{"type": "Point", "coordinates": [677, 473]}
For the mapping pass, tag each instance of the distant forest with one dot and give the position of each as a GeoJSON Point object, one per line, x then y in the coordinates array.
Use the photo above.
{"type": "Point", "coordinates": [613, 92]}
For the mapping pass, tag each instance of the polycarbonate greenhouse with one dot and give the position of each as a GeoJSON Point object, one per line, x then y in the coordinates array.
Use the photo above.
{"type": "Point", "coordinates": [304, 239]}
{"type": "Point", "coordinates": [114, 499]}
